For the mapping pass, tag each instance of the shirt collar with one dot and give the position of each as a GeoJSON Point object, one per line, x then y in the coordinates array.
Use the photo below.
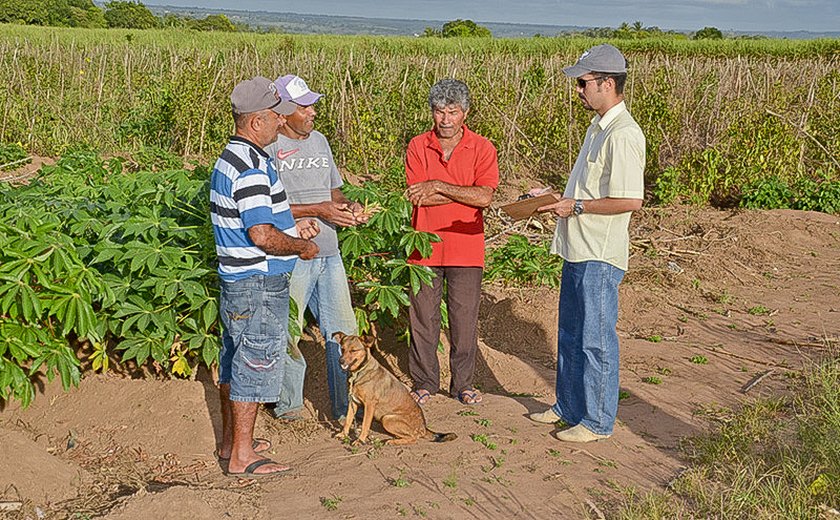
{"type": "Point", "coordinates": [605, 120]}
{"type": "Point", "coordinates": [241, 140]}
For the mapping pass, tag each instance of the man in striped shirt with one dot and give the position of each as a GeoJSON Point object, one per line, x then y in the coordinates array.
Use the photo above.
{"type": "Point", "coordinates": [257, 244]}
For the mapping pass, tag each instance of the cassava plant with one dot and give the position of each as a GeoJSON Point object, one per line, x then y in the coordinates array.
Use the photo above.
{"type": "Point", "coordinates": [97, 259]}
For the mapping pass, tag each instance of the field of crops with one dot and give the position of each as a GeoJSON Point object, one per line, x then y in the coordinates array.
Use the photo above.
{"type": "Point", "coordinates": [122, 261]}
{"type": "Point", "coordinates": [719, 115]}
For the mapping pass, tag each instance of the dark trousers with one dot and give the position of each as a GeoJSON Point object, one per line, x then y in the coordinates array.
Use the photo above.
{"type": "Point", "coordinates": [463, 295]}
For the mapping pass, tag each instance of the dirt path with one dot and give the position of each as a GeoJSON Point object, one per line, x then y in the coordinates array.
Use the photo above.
{"type": "Point", "coordinates": [752, 293]}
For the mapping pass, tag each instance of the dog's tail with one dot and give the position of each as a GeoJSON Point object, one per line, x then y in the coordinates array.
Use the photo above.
{"type": "Point", "coordinates": [442, 437]}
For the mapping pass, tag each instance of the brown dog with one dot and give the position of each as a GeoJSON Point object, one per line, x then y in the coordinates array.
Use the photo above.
{"type": "Point", "coordinates": [382, 395]}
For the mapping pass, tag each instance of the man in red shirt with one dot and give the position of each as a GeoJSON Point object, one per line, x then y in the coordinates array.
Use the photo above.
{"type": "Point", "coordinates": [451, 174]}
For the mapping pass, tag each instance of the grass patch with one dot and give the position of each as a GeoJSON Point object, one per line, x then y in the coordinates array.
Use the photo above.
{"type": "Point", "coordinates": [400, 482]}
{"type": "Point", "coordinates": [759, 310]}
{"type": "Point", "coordinates": [699, 360]}
{"type": "Point", "coordinates": [484, 440]}
{"type": "Point", "coordinates": [331, 503]}
{"type": "Point", "coordinates": [775, 458]}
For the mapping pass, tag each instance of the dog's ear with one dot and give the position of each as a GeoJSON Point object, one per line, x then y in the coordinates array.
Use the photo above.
{"type": "Point", "coordinates": [339, 336]}
{"type": "Point", "coordinates": [369, 341]}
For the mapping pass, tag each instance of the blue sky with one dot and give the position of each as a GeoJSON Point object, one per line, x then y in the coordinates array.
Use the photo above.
{"type": "Point", "coordinates": [739, 15]}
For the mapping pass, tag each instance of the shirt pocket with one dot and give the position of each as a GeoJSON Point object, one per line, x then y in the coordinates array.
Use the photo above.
{"type": "Point", "coordinates": [595, 154]}
{"type": "Point", "coordinates": [596, 183]}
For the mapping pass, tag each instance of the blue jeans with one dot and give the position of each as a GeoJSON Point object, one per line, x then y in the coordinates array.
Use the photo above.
{"type": "Point", "coordinates": [255, 315]}
{"type": "Point", "coordinates": [321, 285]}
{"type": "Point", "coordinates": [587, 345]}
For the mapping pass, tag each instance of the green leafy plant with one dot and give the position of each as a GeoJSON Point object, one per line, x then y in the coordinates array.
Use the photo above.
{"type": "Point", "coordinates": [699, 360]}
{"type": "Point", "coordinates": [375, 256]}
{"type": "Point", "coordinates": [12, 155]}
{"type": "Point", "coordinates": [117, 261]}
{"type": "Point", "coordinates": [484, 440]}
{"type": "Point", "coordinates": [653, 380]}
{"type": "Point", "coordinates": [759, 310]}
{"type": "Point", "coordinates": [451, 481]}
{"type": "Point", "coordinates": [400, 482]}
{"type": "Point", "coordinates": [331, 503]}
{"type": "Point", "coordinates": [769, 192]}
{"type": "Point", "coordinates": [521, 263]}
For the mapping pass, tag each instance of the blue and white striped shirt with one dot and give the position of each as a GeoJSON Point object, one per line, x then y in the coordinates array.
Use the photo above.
{"type": "Point", "coordinates": [245, 191]}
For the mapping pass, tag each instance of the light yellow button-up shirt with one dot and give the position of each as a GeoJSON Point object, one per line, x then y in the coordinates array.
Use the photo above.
{"type": "Point", "coordinates": [611, 163]}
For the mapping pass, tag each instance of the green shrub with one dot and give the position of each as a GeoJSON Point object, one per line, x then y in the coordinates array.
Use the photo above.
{"type": "Point", "coordinates": [89, 254]}
{"type": "Point", "coordinates": [12, 156]}
{"type": "Point", "coordinates": [518, 262]}
{"type": "Point", "coordinates": [768, 193]}
{"type": "Point", "coordinates": [820, 194]}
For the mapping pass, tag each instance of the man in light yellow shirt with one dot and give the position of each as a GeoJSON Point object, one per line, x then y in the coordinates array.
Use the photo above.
{"type": "Point", "coordinates": [606, 185]}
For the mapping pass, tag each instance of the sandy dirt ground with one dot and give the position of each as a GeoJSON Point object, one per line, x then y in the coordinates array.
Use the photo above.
{"type": "Point", "coordinates": [754, 293]}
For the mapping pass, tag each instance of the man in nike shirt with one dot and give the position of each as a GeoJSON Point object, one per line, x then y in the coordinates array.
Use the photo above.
{"type": "Point", "coordinates": [305, 164]}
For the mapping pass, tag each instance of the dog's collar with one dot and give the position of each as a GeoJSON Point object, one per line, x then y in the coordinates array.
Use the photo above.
{"type": "Point", "coordinates": [365, 363]}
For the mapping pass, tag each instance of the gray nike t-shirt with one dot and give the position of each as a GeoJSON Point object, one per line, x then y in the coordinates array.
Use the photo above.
{"type": "Point", "coordinates": [308, 173]}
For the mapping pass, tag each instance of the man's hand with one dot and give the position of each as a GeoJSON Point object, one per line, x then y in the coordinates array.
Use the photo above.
{"type": "Point", "coordinates": [307, 228]}
{"type": "Point", "coordinates": [536, 192]}
{"type": "Point", "coordinates": [363, 213]}
{"type": "Point", "coordinates": [275, 242]}
{"type": "Point", "coordinates": [310, 249]}
{"type": "Point", "coordinates": [562, 208]}
{"type": "Point", "coordinates": [339, 213]}
{"type": "Point", "coordinates": [358, 212]}
{"type": "Point", "coordinates": [422, 191]}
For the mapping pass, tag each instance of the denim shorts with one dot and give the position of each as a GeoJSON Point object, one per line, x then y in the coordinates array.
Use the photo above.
{"type": "Point", "coordinates": [255, 315]}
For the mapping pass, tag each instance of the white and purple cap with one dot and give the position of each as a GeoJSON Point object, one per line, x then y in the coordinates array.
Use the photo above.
{"type": "Point", "coordinates": [293, 88]}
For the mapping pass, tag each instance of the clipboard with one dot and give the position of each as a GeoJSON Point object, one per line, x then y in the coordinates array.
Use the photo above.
{"type": "Point", "coordinates": [527, 207]}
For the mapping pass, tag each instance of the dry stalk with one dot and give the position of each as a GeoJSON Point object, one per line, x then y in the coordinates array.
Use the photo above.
{"type": "Point", "coordinates": [756, 380]}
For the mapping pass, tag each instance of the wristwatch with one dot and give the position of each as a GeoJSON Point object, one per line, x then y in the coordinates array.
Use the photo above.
{"type": "Point", "coordinates": [578, 209]}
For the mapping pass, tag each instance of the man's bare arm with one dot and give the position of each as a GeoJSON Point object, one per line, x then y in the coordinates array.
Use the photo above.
{"type": "Point", "coordinates": [436, 193]}
{"type": "Point", "coordinates": [565, 207]}
{"type": "Point", "coordinates": [275, 242]}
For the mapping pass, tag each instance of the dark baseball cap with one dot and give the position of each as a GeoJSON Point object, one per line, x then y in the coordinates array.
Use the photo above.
{"type": "Point", "coordinates": [259, 93]}
{"type": "Point", "coordinates": [601, 58]}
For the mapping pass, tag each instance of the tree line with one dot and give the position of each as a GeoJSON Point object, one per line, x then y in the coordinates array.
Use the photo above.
{"type": "Point", "coordinates": [124, 14]}
{"type": "Point", "coordinates": [133, 14]}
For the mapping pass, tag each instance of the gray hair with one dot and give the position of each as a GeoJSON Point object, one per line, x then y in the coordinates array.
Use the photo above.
{"type": "Point", "coordinates": [449, 92]}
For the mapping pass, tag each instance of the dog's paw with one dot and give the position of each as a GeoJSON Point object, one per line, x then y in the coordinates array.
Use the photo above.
{"type": "Point", "coordinates": [359, 442]}
{"type": "Point", "coordinates": [341, 435]}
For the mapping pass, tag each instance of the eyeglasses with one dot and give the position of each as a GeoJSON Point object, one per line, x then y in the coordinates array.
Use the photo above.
{"type": "Point", "coordinates": [582, 82]}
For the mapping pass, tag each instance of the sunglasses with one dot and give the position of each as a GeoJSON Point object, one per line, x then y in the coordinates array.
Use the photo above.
{"type": "Point", "coordinates": [582, 82]}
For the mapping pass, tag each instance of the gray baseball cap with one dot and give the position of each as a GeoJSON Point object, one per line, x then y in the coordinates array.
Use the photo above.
{"type": "Point", "coordinates": [601, 58]}
{"type": "Point", "coordinates": [259, 93]}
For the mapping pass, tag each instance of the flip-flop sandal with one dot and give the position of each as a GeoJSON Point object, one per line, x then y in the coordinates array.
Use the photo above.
{"type": "Point", "coordinates": [252, 467]}
{"type": "Point", "coordinates": [421, 396]}
{"type": "Point", "coordinates": [258, 441]}
{"type": "Point", "coordinates": [469, 397]}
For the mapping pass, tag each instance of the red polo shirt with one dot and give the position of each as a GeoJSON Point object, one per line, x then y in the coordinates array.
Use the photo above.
{"type": "Point", "coordinates": [461, 228]}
